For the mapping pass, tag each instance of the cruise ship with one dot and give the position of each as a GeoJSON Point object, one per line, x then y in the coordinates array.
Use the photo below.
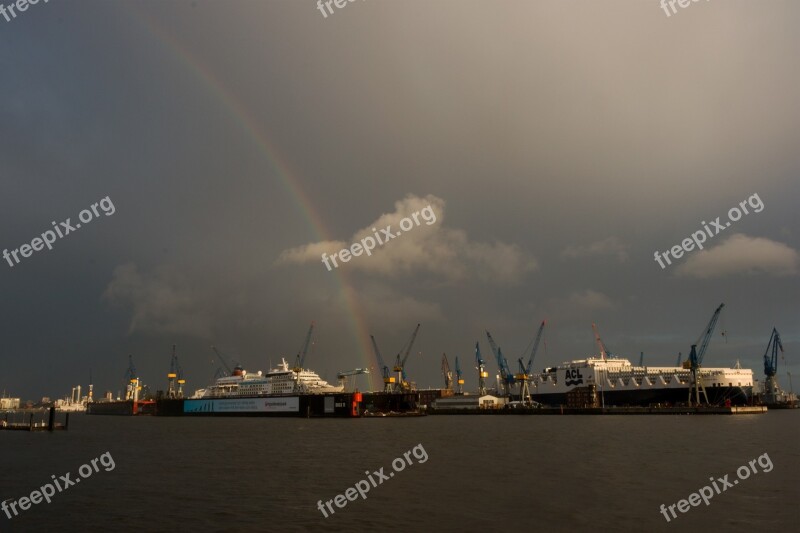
{"type": "Point", "coordinates": [615, 381]}
{"type": "Point", "coordinates": [281, 380]}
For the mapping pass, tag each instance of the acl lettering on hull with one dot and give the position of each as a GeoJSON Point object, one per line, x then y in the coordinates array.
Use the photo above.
{"type": "Point", "coordinates": [573, 377]}
{"type": "Point", "coordinates": [243, 405]}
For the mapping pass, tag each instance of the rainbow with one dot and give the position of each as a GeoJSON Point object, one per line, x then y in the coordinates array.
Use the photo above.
{"type": "Point", "coordinates": [291, 183]}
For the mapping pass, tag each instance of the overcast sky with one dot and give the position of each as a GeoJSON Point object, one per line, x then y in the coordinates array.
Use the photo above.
{"type": "Point", "coordinates": [560, 144]}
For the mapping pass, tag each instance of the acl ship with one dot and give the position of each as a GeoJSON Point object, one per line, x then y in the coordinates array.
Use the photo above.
{"type": "Point", "coordinates": [615, 381]}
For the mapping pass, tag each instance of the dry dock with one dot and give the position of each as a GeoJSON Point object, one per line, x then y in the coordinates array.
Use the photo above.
{"type": "Point", "coordinates": [744, 410]}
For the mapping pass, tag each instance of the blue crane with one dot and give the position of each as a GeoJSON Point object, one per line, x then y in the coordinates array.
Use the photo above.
{"type": "Point", "coordinates": [523, 377]}
{"type": "Point", "coordinates": [482, 373]}
{"type": "Point", "coordinates": [771, 361]}
{"type": "Point", "coordinates": [505, 373]}
{"type": "Point", "coordinates": [696, 357]}
{"type": "Point", "coordinates": [459, 379]}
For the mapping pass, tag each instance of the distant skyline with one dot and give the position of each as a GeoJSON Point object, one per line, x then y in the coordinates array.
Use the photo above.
{"type": "Point", "coordinates": [560, 145]}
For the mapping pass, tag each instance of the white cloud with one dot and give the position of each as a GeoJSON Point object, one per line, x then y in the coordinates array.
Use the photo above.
{"type": "Point", "coordinates": [608, 246]}
{"type": "Point", "coordinates": [427, 247]}
{"type": "Point", "coordinates": [741, 254]}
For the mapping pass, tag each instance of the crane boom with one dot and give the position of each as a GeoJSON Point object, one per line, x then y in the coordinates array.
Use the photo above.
{"type": "Point", "coordinates": [705, 337]}
{"type": "Point", "coordinates": [447, 373]}
{"type": "Point", "coordinates": [388, 381]}
{"type": "Point", "coordinates": [408, 349]}
{"type": "Point", "coordinates": [301, 355]}
{"type": "Point", "coordinates": [222, 360]}
{"type": "Point", "coordinates": [535, 348]}
{"type": "Point", "coordinates": [771, 361]}
{"type": "Point", "coordinates": [604, 353]}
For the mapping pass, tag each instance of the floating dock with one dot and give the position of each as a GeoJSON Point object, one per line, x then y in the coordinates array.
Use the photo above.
{"type": "Point", "coordinates": [743, 410]}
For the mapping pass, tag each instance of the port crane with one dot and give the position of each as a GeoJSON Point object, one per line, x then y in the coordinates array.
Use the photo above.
{"type": "Point", "coordinates": [772, 391]}
{"type": "Point", "coordinates": [400, 364]}
{"type": "Point", "coordinates": [220, 372]}
{"type": "Point", "coordinates": [482, 373]}
{"type": "Point", "coordinates": [696, 358]}
{"type": "Point", "coordinates": [604, 353]}
{"type": "Point", "coordinates": [641, 359]}
{"type": "Point", "coordinates": [300, 359]}
{"type": "Point", "coordinates": [459, 379]}
{"type": "Point", "coordinates": [524, 376]}
{"type": "Point", "coordinates": [342, 376]}
{"type": "Point", "coordinates": [447, 373]}
{"type": "Point", "coordinates": [132, 386]}
{"type": "Point", "coordinates": [388, 380]}
{"type": "Point", "coordinates": [507, 378]}
{"type": "Point", "coordinates": [175, 376]}
{"type": "Point", "coordinates": [680, 356]}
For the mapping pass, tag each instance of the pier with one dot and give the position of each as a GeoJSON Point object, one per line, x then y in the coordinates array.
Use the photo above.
{"type": "Point", "coordinates": [685, 410]}
{"type": "Point", "coordinates": [38, 420]}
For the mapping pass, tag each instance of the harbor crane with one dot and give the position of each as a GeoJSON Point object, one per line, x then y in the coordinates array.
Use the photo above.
{"type": "Point", "coordinates": [680, 356]}
{"type": "Point", "coordinates": [459, 379]}
{"type": "Point", "coordinates": [175, 376]}
{"type": "Point", "coordinates": [772, 391]}
{"type": "Point", "coordinates": [524, 376]}
{"type": "Point", "coordinates": [400, 364]}
{"type": "Point", "coordinates": [604, 353]}
{"type": "Point", "coordinates": [132, 386]}
{"type": "Point", "coordinates": [482, 373]}
{"type": "Point", "coordinates": [342, 376]}
{"type": "Point", "coordinates": [220, 372]}
{"type": "Point", "coordinates": [388, 380]}
{"type": "Point", "coordinates": [300, 359]}
{"type": "Point", "coordinates": [641, 359]}
{"type": "Point", "coordinates": [507, 378]}
{"type": "Point", "coordinates": [447, 373]}
{"type": "Point", "coordinates": [696, 358]}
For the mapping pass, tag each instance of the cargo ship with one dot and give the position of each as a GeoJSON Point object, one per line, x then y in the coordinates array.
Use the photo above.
{"type": "Point", "coordinates": [615, 381]}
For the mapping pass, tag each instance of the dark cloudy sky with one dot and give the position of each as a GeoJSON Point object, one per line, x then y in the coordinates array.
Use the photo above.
{"type": "Point", "coordinates": [560, 144]}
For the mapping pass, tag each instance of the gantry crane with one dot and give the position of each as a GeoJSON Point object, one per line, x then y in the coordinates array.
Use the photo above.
{"type": "Point", "coordinates": [400, 363]}
{"type": "Point", "coordinates": [388, 380]}
{"type": "Point", "coordinates": [696, 358]}
{"type": "Point", "coordinates": [507, 378]}
{"type": "Point", "coordinates": [459, 379]}
{"type": "Point", "coordinates": [482, 373]}
{"type": "Point", "coordinates": [447, 373]}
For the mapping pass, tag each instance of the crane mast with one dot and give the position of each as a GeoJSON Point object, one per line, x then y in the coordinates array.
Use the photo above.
{"type": "Point", "coordinates": [696, 358]}
{"type": "Point", "coordinates": [482, 373]}
{"type": "Point", "coordinates": [459, 379]}
{"type": "Point", "coordinates": [447, 373]}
